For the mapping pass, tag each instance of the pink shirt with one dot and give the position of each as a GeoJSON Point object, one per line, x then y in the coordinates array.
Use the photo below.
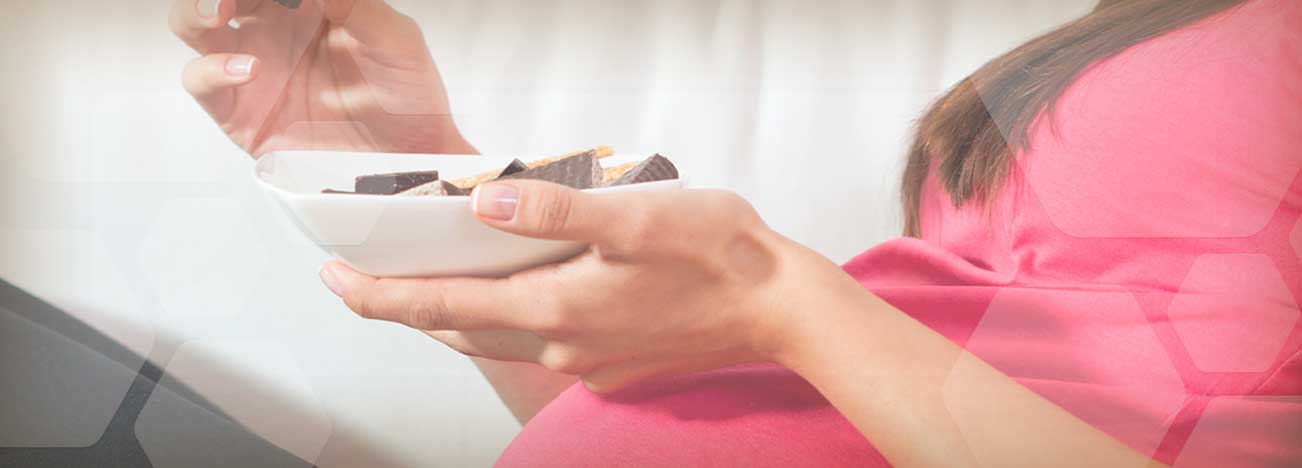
{"type": "Point", "coordinates": [1142, 269]}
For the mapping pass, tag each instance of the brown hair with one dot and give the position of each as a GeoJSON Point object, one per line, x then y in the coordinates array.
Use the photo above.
{"type": "Point", "coordinates": [972, 132]}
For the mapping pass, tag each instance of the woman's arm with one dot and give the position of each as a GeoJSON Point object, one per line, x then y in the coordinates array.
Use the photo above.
{"type": "Point", "coordinates": [685, 281]}
{"type": "Point", "coordinates": [924, 401]}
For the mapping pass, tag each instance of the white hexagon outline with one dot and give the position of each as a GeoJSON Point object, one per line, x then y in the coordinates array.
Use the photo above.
{"type": "Point", "coordinates": [307, 446]}
{"type": "Point", "coordinates": [1199, 355]}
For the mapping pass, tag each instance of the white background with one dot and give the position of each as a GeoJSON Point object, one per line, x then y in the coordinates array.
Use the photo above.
{"type": "Point", "coordinates": [122, 202]}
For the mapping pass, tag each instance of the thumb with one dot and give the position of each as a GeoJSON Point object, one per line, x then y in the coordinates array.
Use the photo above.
{"type": "Point", "coordinates": [546, 211]}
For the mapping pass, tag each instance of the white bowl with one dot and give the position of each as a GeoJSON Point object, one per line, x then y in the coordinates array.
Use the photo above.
{"type": "Point", "coordinates": [408, 236]}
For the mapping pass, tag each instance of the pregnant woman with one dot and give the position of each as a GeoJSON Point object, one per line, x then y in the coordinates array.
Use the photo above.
{"type": "Point", "coordinates": [1101, 264]}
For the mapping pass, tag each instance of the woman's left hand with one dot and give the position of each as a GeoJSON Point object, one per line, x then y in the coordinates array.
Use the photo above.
{"type": "Point", "coordinates": [673, 282]}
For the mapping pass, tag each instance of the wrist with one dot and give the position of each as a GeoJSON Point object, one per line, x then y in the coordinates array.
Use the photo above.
{"type": "Point", "coordinates": [832, 321]}
{"type": "Point", "coordinates": [853, 330]}
{"type": "Point", "coordinates": [808, 302]}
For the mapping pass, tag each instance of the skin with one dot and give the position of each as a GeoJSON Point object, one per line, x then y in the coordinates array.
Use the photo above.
{"type": "Point", "coordinates": [247, 82]}
{"type": "Point", "coordinates": [673, 282]}
{"type": "Point", "coordinates": [343, 74]}
{"type": "Point", "coordinates": [678, 282]}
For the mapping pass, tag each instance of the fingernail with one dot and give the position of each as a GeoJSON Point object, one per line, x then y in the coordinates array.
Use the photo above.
{"type": "Point", "coordinates": [240, 65]}
{"type": "Point", "coordinates": [496, 201]}
{"type": "Point", "coordinates": [332, 281]}
{"type": "Point", "coordinates": [208, 8]}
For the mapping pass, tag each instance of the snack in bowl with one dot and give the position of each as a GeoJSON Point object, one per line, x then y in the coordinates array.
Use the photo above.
{"type": "Point", "coordinates": [579, 170]}
{"type": "Point", "coordinates": [394, 182]}
{"type": "Point", "coordinates": [430, 229]}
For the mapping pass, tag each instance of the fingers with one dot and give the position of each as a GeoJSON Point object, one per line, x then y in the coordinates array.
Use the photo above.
{"type": "Point", "coordinates": [211, 80]}
{"type": "Point", "coordinates": [432, 304]}
{"type": "Point", "coordinates": [548, 211]}
{"type": "Point", "coordinates": [202, 24]}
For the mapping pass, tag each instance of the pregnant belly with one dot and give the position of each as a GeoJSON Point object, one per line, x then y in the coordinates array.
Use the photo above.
{"type": "Point", "coordinates": [750, 416]}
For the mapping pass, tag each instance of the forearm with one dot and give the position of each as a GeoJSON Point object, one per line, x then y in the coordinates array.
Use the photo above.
{"type": "Point", "coordinates": [525, 388]}
{"type": "Point", "coordinates": [924, 401]}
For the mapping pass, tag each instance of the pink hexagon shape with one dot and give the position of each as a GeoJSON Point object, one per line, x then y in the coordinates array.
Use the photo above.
{"type": "Point", "coordinates": [1262, 432]}
{"type": "Point", "coordinates": [1165, 139]}
{"type": "Point", "coordinates": [1233, 312]}
{"type": "Point", "coordinates": [1092, 353]}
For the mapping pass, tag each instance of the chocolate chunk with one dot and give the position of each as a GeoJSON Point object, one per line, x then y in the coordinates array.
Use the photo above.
{"type": "Point", "coordinates": [516, 166]}
{"type": "Point", "coordinates": [291, 4]}
{"type": "Point", "coordinates": [580, 172]}
{"type": "Point", "coordinates": [447, 189]}
{"type": "Point", "coordinates": [389, 184]}
{"type": "Point", "coordinates": [441, 188]}
{"type": "Point", "coordinates": [653, 169]}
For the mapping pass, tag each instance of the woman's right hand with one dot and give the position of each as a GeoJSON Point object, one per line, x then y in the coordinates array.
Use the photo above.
{"type": "Point", "coordinates": [329, 74]}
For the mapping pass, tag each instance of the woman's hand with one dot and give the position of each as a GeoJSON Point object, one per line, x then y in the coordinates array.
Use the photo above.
{"type": "Point", "coordinates": [692, 280]}
{"type": "Point", "coordinates": [673, 282]}
{"type": "Point", "coordinates": [332, 74]}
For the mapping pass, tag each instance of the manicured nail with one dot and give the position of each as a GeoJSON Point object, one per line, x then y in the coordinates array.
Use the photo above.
{"type": "Point", "coordinates": [331, 281]}
{"type": "Point", "coordinates": [240, 65]}
{"type": "Point", "coordinates": [496, 201]}
{"type": "Point", "coordinates": [208, 8]}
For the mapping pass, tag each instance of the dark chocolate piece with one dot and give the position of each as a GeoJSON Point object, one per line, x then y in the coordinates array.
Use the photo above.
{"type": "Point", "coordinates": [291, 4]}
{"type": "Point", "coordinates": [446, 188]}
{"type": "Point", "coordinates": [580, 172]}
{"type": "Point", "coordinates": [516, 166]}
{"type": "Point", "coordinates": [654, 168]}
{"type": "Point", "coordinates": [389, 184]}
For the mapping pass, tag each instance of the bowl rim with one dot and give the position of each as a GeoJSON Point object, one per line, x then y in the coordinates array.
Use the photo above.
{"type": "Point", "coordinates": [264, 160]}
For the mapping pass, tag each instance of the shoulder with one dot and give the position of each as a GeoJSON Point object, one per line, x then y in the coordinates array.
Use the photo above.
{"type": "Point", "coordinates": [1204, 119]}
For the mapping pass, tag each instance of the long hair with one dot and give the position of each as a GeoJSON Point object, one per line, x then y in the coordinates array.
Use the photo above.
{"type": "Point", "coordinates": [970, 135]}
